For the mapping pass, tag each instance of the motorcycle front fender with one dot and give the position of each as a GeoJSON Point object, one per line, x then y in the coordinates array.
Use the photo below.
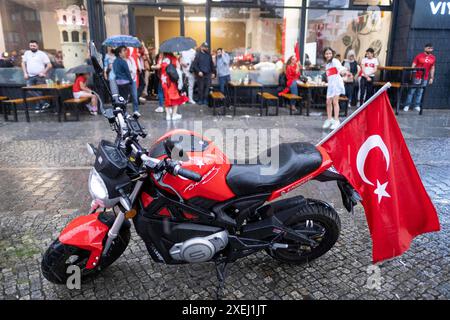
{"type": "Point", "coordinates": [86, 232]}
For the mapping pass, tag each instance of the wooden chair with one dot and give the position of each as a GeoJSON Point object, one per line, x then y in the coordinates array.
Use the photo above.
{"type": "Point", "coordinates": [289, 97]}
{"type": "Point", "coordinates": [217, 98]}
{"type": "Point", "coordinates": [343, 103]}
{"type": "Point", "coordinates": [265, 99]}
{"type": "Point", "coordinates": [15, 102]}
{"type": "Point", "coordinates": [75, 103]}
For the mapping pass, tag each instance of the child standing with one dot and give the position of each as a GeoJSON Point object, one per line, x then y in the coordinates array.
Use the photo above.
{"type": "Point", "coordinates": [81, 90]}
{"type": "Point", "coordinates": [172, 97]}
{"type": "Point", "coordinates": [335, 88]}
{"type": "Point", "coordinates": [369, 66]}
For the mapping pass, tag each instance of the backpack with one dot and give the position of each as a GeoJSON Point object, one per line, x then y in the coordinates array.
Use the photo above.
{"type": "Point", "coordinates": [172, 72]}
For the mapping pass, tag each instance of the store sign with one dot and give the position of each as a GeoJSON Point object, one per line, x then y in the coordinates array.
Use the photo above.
{"type": "Point", "coordinates": [431, 15]}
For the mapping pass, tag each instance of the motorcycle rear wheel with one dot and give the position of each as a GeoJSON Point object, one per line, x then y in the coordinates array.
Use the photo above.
{"type": "Point", "coordinates": [60, 256]}
{"type": "Point", "coordinates": [325, 221]}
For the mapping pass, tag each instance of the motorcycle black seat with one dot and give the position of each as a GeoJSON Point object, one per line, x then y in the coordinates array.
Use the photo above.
{"type": "Point", "coordinates": [296, 160]}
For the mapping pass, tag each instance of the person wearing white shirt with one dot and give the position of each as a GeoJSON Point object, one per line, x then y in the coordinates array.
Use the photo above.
{"type": "Point", "coordinates": [369, 66]}
{"type": "Point", "coordinates": [35, 66]}
{"type": "Point", "coordinates": [133, 70]}
{"type": "Point", "coordinates": [187, 57]}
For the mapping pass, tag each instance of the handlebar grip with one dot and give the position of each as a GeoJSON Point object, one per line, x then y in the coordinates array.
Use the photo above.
{"type": "Point", "coordinates": [188, 174]}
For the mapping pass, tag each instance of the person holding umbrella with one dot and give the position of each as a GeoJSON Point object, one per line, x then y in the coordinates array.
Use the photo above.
{"type": "Point", "coordinates": [170, 67]}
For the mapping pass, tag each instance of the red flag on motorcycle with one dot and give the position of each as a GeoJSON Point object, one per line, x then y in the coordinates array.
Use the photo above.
{"type": "Point", "coordinates": [369, 150]}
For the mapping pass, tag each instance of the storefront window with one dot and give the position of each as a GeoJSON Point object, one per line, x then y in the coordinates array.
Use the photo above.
{"type": "Point", "coordinates": [155, 25]}
{"type": "Point", "coordinates": [258, 40]}
{"type": "Point", "coordinates": [195, 23]}
{"type": "Point", "coordinates": [56, 25]}
{"type": "Point", "coordinates": [116, 19]}
{"type": "Point", "coordinates": [345, 30]}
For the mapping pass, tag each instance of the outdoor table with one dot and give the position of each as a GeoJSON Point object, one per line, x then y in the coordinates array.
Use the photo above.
{"type": "Point", "coordinates": [404, 82]}
{"type": "Point", "coordinates": [253, 85]}
{"type": "Point", "coordinates": [52, 89]}
{"type": "Point", "coordinates": [309, 88]}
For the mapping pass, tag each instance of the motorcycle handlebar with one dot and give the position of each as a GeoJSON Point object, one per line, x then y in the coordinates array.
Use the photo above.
{"type": "Point", "coordinates": [188, 174]}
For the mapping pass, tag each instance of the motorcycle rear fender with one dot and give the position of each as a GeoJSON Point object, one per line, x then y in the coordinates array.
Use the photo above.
{"type": "Point", "coordinates": [86, 232]}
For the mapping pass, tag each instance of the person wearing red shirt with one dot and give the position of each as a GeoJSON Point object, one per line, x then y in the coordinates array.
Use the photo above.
{"type": "Point", "coordinates": [81, 90]}
{"type": "Point", "coordinates": [425, 60]}
{"type": "Point", "coordinates": [292, 76]}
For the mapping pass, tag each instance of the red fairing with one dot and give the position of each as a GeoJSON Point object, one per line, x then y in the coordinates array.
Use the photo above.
{"type": "Point", "coordinates": [326, 163]}
{"type": "Point", "coordinates": [211, 163]}
{"type": "Point", "coordinates": [86, 232]}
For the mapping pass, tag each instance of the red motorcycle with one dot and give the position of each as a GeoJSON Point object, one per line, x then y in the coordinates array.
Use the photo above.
{"type": "Point", "coordinates": [189, 203]}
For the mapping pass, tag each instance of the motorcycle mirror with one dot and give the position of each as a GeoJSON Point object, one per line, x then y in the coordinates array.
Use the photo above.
{"type": "Point", "coordinates": [174, 150]}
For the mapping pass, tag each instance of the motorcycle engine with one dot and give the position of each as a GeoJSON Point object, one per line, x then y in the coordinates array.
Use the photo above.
{"type": "Point", "coordinates": [199, 249]}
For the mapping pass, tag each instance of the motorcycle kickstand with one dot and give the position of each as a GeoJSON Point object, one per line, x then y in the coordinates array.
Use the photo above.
{"type": "Point", "coordinates": [221, 268]}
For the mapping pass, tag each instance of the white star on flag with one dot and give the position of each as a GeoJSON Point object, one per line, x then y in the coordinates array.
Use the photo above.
{"type": "Point", "coordinates": [200, 163]}
{"type": "Point", "coordinates": [381, 191]}
{"type": "Point", "coordinates": [163, 79]}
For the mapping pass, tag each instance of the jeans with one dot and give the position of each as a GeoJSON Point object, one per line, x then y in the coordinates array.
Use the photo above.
{"type": "Point", "coordinates": [294, 90]}
{"type": "Point", "coordinates": [366, 90]}
{"type": "Point", "coordinates": [32, 81]}
{"type": "Point", "coordinates": [191, 83]}
{"type": "Point", "coordinates": [417, 92]}
{"type": "Point", "coordinates": [223, 82]}
{"type": "Point", "coordinates": [160, 94]}
{"type": "Point", "coordinates": [203, 88]}
{"type": "Point", "coordinates": [134, 96]}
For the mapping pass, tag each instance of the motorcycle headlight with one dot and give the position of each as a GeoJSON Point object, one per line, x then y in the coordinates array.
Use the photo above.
{"type": "Point", "coordinates": [97, 187]}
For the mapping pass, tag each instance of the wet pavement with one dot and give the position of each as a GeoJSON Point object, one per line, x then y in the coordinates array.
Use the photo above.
{"type": "Point", "coordinates": [44, 168]}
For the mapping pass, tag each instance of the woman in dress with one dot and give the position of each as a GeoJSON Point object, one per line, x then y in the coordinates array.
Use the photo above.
{"type": "Point", "coordinates": [172, 96]}
{"type": "Point", "coordinates": [335, 89]}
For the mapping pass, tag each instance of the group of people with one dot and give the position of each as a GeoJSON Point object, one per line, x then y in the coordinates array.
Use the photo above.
{"type": "Point", "coordinates": [351, 77]}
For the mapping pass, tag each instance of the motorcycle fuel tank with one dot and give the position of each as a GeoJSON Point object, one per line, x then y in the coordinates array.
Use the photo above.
{"type": "Point", "coordinates": [198, 154]}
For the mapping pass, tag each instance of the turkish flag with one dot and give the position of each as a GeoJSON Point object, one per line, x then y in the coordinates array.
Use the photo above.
{"type": "Point", "coordinates": [369, 150]}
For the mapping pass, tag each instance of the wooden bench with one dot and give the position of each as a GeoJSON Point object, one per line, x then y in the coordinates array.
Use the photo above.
{"type": "Point", "coordinates": [74, 102]}
{"type": "Point", "coordinates": [3, 98]}
{"type": "Point", "coordinates": [265, 99]}
{"type": "Point", "coordinates": [292, 97]}
{"type": "Point", "coordinates": [15, 102]}
{"type": "Point", "coordinates": [344, 101]}
{"type": "Point", "coordinates": [218, 97]}
{"type": "Point", "coordinates": [395, 85]}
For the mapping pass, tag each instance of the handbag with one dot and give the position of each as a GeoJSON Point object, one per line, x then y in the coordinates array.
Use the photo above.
{"type": "Point", "coordinates": [172, 72]}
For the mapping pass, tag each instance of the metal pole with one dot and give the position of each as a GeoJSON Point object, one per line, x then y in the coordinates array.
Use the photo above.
{"type": "Point", "coordinates": [376, 95]}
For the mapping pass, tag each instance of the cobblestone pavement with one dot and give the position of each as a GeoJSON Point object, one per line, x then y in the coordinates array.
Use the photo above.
{"type": "Point", "coordinates": [43, 181]}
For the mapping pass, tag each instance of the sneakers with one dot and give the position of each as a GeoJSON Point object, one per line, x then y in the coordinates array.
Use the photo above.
{"type": "Point", "coordinates": [335, 125]}
{"type": "Point", "coordinates": [417, 109]}
{"type": "Point", "coordinates": [192, 102]}
{"type": "Point", "coordinates": [137, 114]}
{"type": "Point", "coordinates": [45, 106]}
{"type": "Point", "coordinates": [327, 124]}
{"type": "Point", "coordinates": [168, 114]}
{"type": "Point", "coordinates": [176, 116]}
{"type": "Point", "coordinates": [94, 113]}
{"type": "Point", "coordinates": [159, 109]}
{"type": "Point", "coordinates": [406, 109]}
{"type": "Point", "coordinates": [142, 100]}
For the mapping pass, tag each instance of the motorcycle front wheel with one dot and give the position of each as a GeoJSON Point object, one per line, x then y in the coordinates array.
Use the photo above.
{"type": "Point", "coordinates": [60, 256]}
{"type": "Point", "coordinates": [320, 222]}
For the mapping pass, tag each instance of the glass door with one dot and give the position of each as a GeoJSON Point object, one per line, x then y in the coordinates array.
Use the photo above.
{"type": "Point", "coordinates": [155, 24]}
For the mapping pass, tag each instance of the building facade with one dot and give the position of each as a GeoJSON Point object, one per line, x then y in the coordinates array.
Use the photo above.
{"type": "Point", "coordinates": [258, 33]}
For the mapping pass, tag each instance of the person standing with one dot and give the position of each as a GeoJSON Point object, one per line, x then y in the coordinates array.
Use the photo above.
{"type": "Point", "coordinates": [369, 66]}
{"type": "Point", "coordinates": [335, 88]}
{"type": "Point", "coordinates": [157, 68]}
{"type": "Point", "coordinates": [351, 85]}
{"type": "Point", "coordinates": [203, 67]}
{"type": "Point", "coordinates": [36, 66]}
{"type": "Point", "coordinates": [134, 70]}
{"type": "Point", "coordinates": [172, 97]}
{"type": "Point", "coordinates": [223, 68]}
{"type": "Point", "coordinates": [187, 58]}
{"type": "Point", "coordinates": [425, 60]}
{"type": "Point", "coordinates": [122, 73]}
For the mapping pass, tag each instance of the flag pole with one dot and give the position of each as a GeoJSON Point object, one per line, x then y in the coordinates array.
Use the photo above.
{"type": "Point", "coordinates": [354, 114]}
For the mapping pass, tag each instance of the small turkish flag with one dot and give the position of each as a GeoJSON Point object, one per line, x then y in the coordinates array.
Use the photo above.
{"type": "Point", "coordinates": [369, 150]}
